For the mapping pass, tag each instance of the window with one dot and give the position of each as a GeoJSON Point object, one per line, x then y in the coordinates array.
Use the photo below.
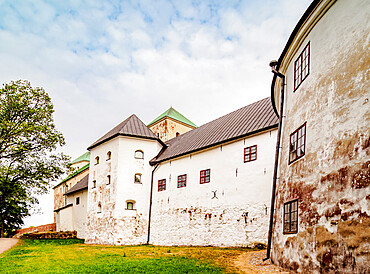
{"type": "Point", "coordinates": [97, 160]}
{"type": "Point", "coordinates": [77, 200]}
{"type": "Point", "coordinates": [138, 178]}
{"type": "Point", "coordinates": [109, 155]}
{"type": "Point", "coordinates": [108, 180]}
{"type": "Point", "coordinates": [181, 181]}
{"type": "Point", "coordinates": [94, 184]}
{"type": "Point", "coordinates": [130, 205]}
{"type": "Point", "coordinates": [66, 188]}
{"type": "Point", "coordinates": [302, 67]}
{"type": "Point", "coordinates": [162, 185]}
{"type": "Point", "coordinates": [205, 176]}
{"type": "Point", "coordinates": [99, 208]}
{"type": "Point", "coordinates": [297, 143]}
{"type": "Point", "coordinates": [291, 217]}
{"type": "Point", "coordinates": [139, 154]}
{"type": "Point", "coordinates": [177, 134]}
{"type": "Point", "coordinates": [250, 153]}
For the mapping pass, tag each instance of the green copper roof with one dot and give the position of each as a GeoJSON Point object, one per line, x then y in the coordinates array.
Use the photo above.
{"type": "Point", "coordinates": [74, 174]}
{"type": "Point", "coordinates": [83, 157]}
{"type": "Point", "coordinates": [174, 114]}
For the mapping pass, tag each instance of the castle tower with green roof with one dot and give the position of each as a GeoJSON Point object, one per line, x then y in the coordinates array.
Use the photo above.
{"type": "Point", "coordinates": [170, 124]}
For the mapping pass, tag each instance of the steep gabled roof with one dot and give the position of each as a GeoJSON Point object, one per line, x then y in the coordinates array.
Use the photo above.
{"type": "Point", "coordinates": [132, 126]}
{"type": "Point", "coordinates": [83, 157]}
{"type": "Point", "coordinates": [243, 122]}
{"type": "Point", "coordinates": [81, 185]}
{"type": "Point", "coordinates": [174, 114]}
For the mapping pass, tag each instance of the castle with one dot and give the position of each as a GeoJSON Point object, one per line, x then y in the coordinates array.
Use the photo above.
{"type": "Point", "coordinates": [176, 184]}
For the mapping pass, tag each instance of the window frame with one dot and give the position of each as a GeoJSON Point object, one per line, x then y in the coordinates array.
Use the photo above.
{"type": "Point", "coordinates": [161, 185]}
{"type": "Point", "coordinates": [288, 215]}
{"type": "Point", "coordinates": [139, 182]}
{"type": "Point", "coordinates": [142, 154]}
{"type": "Point", "coordinates": [181, 180]}
{"type": "Point", "coordinates": [250, 153]}
{"type": "Point", "coordinates": [206, 177]}
{"type": "Point", "coordinates": [296, 143]}
{"type": "Point", "coordinates": [303, 58]}
{"type": "Point", "coordinates": [130, 202]}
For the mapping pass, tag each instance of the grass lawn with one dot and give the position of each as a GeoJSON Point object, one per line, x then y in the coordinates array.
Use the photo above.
{"type": "Point", "coordinates": [72, 256]}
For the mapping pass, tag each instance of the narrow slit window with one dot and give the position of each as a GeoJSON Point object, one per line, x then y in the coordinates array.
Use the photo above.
{"type": "Point", "coordinates": [162, 185]}
{"type": "Point", "coordinates": [205, 176]}
{"type": "Point", "coordinates": [302, 67]}
{"type": "Point", "coordinates": [94, 184]}
{"type": "Point", "coordinates": [181, 181]}
{"type": "Point", "coordinates": [290, 217]}
{"type": "Point", "coordinates": [250, 153]}
{"type": "Point", "coordinates": [97, 160]}
{"type": "Point", "coordinates": [108, 180]}
{"type": "Point", "coordinates": [77, 200]}
{"type": "Point", "coordinates": [297, 144]}
{"type": "Point", "coordinates": [99, 208]}
{"type": "Point", "coordinates": [109, 155]}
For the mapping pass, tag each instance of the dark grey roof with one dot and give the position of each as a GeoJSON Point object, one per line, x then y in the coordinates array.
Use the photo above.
{"type": "Point", "coordinates": [81, 185]}
{"type": "Point", "coordinates": [132, 126]}
{"type": "Point", "coordinates": [245, 121]}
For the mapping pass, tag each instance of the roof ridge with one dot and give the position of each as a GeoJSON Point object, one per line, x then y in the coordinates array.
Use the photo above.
{"type": "Point", "coordinates": [173, 114]}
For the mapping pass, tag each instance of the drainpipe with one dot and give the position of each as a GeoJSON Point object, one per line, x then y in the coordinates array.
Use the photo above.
{"type": "Point", "coordinates": [273, 65]}
{"type": "Point", "coordinates": [151, 200]}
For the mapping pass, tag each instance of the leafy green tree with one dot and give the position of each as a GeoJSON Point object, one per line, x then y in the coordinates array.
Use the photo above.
{"type": "Point", "coordinates": [28, 141]}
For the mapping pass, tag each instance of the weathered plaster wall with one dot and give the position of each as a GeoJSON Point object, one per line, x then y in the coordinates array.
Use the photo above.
{"type": "Point", "coordinates": [168, 128]}
{"type": "Point", "coordinates": [332, 180]}
{"type": "Point", "coordinates": [64, 219]}
{"type": "Point", "coordinates": [79, 212]}
{"type": "Point", "coordinates": [116, 224]}
{"type": "Point", "coordinates": [231, 210]}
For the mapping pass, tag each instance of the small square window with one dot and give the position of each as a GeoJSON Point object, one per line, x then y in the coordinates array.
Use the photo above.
{"type": "Point", "coordinates": [205, 176]}
{"type": "Point", "coordinates": [302, 67]}
{"type": "Point", "coordinates": [162, 185]}
{"type": "Point", "coordinates": [250, 153]}
{"type": "Point", "coordinates": [139, 154]}
{"type": "Point", "coordinates": [290, 217]}
{"type": "Point", "coordinates": [77, 200]}
{"type": "Point", "coordinates": [130, 206]}
{"type": "Point", "coordinates": [297, 144]}
{"type": "Point", "coordinates": [138, 178]}
{"type": "Point", "coordinates": [181, 181]}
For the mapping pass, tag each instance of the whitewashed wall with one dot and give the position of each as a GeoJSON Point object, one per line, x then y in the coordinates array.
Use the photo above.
{"type": "Point", "coordinates": [115, 224]}
{"type": "Point", "coordinates": [331, 182]}
{"type": "Point", "coordinates": [79, 212]}
{"type": "Point", "coordinates": [64, 219]}
{"type": "Point", "coordinates": [239, 216]}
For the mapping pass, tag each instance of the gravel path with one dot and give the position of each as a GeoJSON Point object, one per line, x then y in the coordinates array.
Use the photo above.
{"type": "Point", "coordinates": [6, 243]}
{"type": "Point", "coordinates": [251, 262]}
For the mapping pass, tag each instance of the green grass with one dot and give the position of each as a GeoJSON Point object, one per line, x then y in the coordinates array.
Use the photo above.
{"type": "Point", "coordinates": [72, 256]}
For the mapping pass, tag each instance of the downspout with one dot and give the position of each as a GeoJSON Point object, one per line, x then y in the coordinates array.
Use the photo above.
{"type": "Point", "coordinates": [151, 200]}
{"type": "Point", "coordinates": [273, 65]}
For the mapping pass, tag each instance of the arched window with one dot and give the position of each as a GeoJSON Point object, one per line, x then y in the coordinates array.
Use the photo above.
{"type": "Point", "coordinates": [139, 154]}
{"type": "Point", "coordinates": [130, 205]}
{"type": "Point", "coordinates": [138, 178]}
{"type": "Point", "coordinates": [109, 154]}
{"type": "Point", "coordinates": [97, 160]}
{"type": "Point", "coordinates": [99, 208]}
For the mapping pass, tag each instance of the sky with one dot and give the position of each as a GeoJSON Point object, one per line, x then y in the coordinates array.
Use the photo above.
{"type": "Point", "coordinates": [101, 61]}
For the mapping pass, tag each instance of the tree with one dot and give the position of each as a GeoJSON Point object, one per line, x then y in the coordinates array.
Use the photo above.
{"type": "Point", "coordinates": [28, 161]}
